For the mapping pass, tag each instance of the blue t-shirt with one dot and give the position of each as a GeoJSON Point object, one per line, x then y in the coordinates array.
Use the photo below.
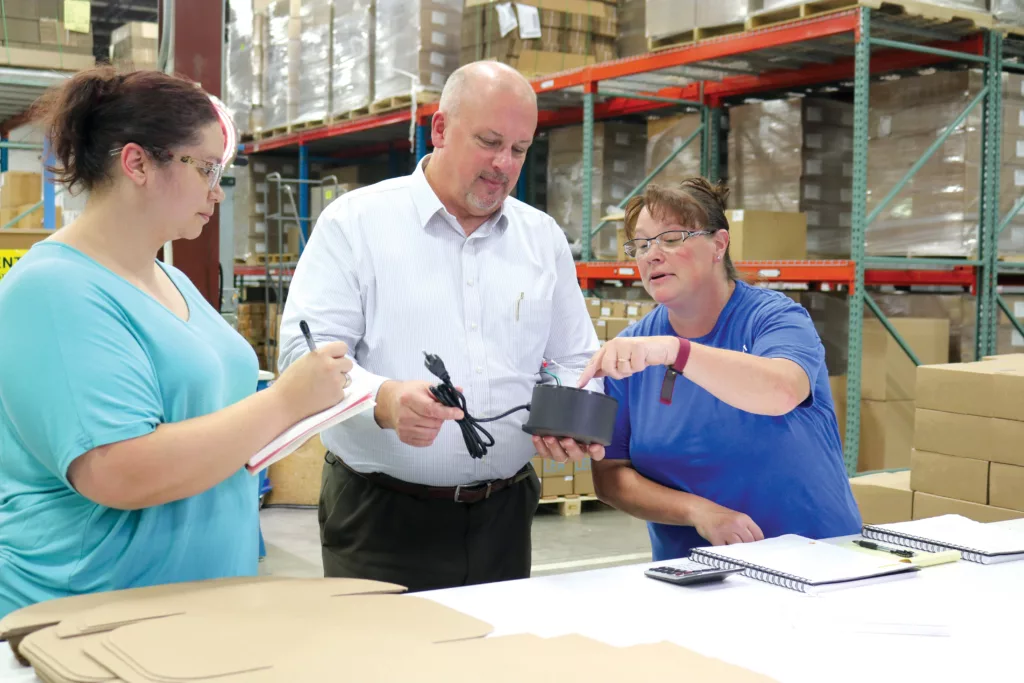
{"type": "Point", "coordinates": [786, 473]}
{"type": "Point", "coordinates": [87, 359]}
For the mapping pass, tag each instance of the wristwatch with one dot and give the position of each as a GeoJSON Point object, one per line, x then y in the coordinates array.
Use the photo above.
{"type": "Point", "coordinates": [672, 371]}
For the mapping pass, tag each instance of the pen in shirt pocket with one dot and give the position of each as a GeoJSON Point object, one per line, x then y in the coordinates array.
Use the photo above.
{"type": "Point", "coordinates": [522, 295]}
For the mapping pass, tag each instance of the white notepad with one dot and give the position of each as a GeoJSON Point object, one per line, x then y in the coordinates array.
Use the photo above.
{"type": "Point", "coordinates": [803, 564]}
{"type": "Point", "coordinates": [358, 399]}
{"type": "Point", "coordinates": [977, 542]}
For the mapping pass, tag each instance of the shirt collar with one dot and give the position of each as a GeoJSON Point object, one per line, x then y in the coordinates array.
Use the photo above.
{"type": "Point", "coordinates": [428, 204]}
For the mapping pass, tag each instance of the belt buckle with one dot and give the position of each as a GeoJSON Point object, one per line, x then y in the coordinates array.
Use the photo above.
{"type": "Point", "coordinates": [457, 490]}
{"type": "Point", "coordinates": [487, 493]}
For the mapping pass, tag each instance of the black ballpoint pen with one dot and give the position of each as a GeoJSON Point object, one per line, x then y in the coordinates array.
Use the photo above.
{"type": "Point", "coordinates": [305, 333]}
{"type": "Point", "coordinates": [874, 546]}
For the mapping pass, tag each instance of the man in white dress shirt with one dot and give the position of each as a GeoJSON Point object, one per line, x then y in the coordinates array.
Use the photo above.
{"type": "Point", "coordinates": [441, 261]}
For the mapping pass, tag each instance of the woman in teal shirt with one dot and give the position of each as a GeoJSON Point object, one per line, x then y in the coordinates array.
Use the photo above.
{"type": "Point", "coordinates": [127, 405]}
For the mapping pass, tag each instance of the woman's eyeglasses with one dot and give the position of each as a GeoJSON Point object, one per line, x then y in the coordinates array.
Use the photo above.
{"type": "Point", "coordinates": [212, 171]}
{"type": "Point", "coordinates": [672, 239]}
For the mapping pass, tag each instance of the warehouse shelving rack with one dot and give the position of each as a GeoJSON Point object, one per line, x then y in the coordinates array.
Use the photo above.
{"type": "Point", "coordinates": [846, 47]}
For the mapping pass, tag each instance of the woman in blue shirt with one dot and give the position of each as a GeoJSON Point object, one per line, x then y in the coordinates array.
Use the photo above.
{"type": "Point", "coordinates": [726, 431]}
{"type": "Point", "coordinates": [127, 404]}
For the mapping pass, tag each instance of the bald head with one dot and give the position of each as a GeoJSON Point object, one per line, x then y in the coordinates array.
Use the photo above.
{"type": "Point", "coordinates": [483, 80]}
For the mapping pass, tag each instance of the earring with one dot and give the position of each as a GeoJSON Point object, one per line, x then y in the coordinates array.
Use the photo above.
{"type": "Point", "coordinates": [718, 258]}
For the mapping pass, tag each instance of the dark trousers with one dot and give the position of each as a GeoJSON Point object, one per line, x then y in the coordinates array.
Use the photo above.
{"type": "Point", "coordinates": [371, 532]}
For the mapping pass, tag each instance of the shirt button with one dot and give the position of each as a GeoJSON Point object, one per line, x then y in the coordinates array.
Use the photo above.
{"type": "Point", "coordinates": [479, 370]}
{"type": "Point", "coordinates": [472, 326]}
{"type": "Point", "coordinates": [469, 282]}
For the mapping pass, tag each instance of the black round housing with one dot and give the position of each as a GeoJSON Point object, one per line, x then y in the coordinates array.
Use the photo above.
{"type": "Point", "coordinates": [568, 412]}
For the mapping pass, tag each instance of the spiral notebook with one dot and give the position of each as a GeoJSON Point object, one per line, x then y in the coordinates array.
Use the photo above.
{"type": "Point", "coordinates": [977, 542]}
{"type": "Point", "coordinates": [802, 564]}
{"type": "Point", "coordinates": [358, 399]}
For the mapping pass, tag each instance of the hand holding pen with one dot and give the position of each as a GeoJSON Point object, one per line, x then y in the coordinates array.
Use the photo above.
{"type": "Point", "coordinates": [316, 381]}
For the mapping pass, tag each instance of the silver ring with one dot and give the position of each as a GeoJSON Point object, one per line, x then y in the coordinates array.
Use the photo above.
{"type": "Point", "coordinates": [348, 380]}
{"type": "Point", "coordinates": [622, 360]}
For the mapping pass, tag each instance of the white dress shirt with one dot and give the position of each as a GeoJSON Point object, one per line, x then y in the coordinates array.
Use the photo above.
{"type": "Point", "coordinates": [391, 273]}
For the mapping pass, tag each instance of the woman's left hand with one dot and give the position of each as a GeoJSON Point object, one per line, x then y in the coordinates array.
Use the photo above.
{"type": "Point", "coordinates": [625, 356]}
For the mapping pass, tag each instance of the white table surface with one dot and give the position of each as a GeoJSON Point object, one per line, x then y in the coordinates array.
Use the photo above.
{"type": "Point", "coordinates": [954, 622]}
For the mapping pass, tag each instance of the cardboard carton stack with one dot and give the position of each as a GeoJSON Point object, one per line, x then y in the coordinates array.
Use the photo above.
{"type": "Point", "coordinates": [282, 46]}
{"type": "Point", "coordinates": [883, 497]}
{"type": "Point", "coordinates": [618, 167]}
{"type": "Point", "coordinates": [632, 17]}
{"type": "Point", "coordinates": [664, 136]}
{"type": "Point", "coordinates": [969, 427]}
{"type": "Point", "coordinates": [418, 37]}
{"type": "Point", "coordinates": [559, 479]}
{"type": "Point", "coordinates": [135, 45]}
{"type": "Point", "coordinates": [611, 317]}
{"type": "Point", "coordinates": [36, 35]}
{"type": "Point", "coordinates": [794, 156]}
{"type": "Point", "coordinates": [252, 324]}
{"type": "Point", "coordinates": [352, 63]}
{"type": "Point", "coordinates": [543, 37]}
{"type": "Point", "coordinates": [19, 191]}
{"type": "Point", "coordinates": [262, 202]}
{"type": "Point", "coordinates": [243, 55]}
{"type": "Point", "coordinates": [936, 214]}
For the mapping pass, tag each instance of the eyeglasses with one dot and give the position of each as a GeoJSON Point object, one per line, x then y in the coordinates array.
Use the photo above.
{"type": "Point", "coordinates": [212, 171]}
{"type": "Point", "coordinates": [670, 240]}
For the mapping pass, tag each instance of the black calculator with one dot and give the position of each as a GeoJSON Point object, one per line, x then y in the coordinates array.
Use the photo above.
{"type": "Point", "coordinates": [688, 572]}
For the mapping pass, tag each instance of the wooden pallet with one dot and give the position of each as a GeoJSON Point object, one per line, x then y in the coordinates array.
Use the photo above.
{"type": "Point", "coordinates": [402, 102]}
{"type": "Point", "coordinates": [568, 506]}
{"type": "Point", "coordinates": [813, 8]}
{"type": "Point", "coordinates": [262, 259]}
{"type": "Point", "coordinates": [695, 35]}
{"type": "Point", "coordinates": [284, 130]}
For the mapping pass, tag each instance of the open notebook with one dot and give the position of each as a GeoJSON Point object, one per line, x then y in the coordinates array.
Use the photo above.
{"type": "Point", "coordinates": [977, 542]}
{"type": "Point", "coordinates": [358, 398]}
{"type": "Point", "coordinates": [802, 564]}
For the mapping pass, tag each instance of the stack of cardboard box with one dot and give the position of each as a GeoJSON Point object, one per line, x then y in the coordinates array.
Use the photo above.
{"type": "Point", "coordinates": [969, 427]}
{"type": "Point", "coordinates": [796, 156]}
{"type": "Point", "coordinates": [252, 324]}
{"type": "Point", "coordinates": [611, 317]}
{"type": "Point", "coordinates": [36, 35]}
{"type": "Point", "coordinates": [888, 387]}
{"type": "Point", "coordinates": [135, 45]}
{"type": "Point", "coordinates": [564, 478]}
{"type": "Point", "coordinates": [664, 136]}
{"type": "Point", "coordinates": [936, 214]}
{"type": "Point", "coordinates": [632, 18]}
{"type": "Point", "coordinates": [667, 19]}
{"type": "Point", "coordinates": [618, 167]}
{"type": "Point", "coordinates": [542, 37]}
{"type": "Point", "coordinates": [417, 37]}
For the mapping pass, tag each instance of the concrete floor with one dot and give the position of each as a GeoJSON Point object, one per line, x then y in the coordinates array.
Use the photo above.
{"type": "Point", "coordinates": [599, 537]}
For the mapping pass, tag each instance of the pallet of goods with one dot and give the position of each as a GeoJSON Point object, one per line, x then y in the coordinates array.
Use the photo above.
{"type": "Point", "coordinates": [38, 35]}
{"type": "Point", "coordinates": [544, 37]}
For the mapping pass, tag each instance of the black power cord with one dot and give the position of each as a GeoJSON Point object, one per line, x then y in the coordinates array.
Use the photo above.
{"type": "Point", "coordinates": [477, 439]}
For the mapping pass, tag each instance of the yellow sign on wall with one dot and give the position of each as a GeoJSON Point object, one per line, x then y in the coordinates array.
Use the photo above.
{"type": "Point", "coordinates": [8, 257]}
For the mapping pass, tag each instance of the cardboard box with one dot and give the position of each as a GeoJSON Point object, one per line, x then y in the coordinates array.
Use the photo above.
{"type": "Point", "coordinates": [557, 469]}
{"type": "Point", "coordinates": [886, 435]}
{"type": "Point", "coordinates": [927, 505]}
{"type": "Point", "coordinates": [613, 309]}
{"type": "Point", "coordinates": [767, 235]}
{"type": "Point", "coordinates": [887, 373]}
{"type": "Point", "coordinates": [883, 497]}
{"type": "Point", "coordinates": [986, 388]}
{"type": "Point", "coordinates": [18, 188]}
{"type": "Point", "coordinates": [296, 479]}
{"type": "Point", "coordinates": [949, 476]}
{"type": "Point", "coordinates": [556, 486]}
{"type": "Point", "coordinates": [594, 307]}
{"type": "Point", "coordinates": [615, 326]}
{"type": "Point", "coordinates": [970, 436]}
{"type": "Point", "coordinates": [1006, 486]}
{"type": "Point", "coordinates": [583, 483]}
{"type": "Point", "coordinates": [538, 466]}
{"type": "Point", "coordinates": [601, 328]}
